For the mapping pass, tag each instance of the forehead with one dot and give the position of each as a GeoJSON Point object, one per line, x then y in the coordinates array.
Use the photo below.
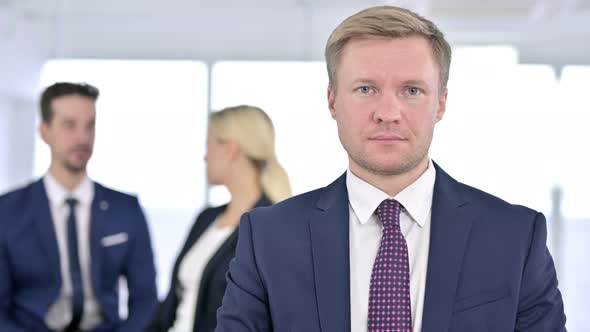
{"type": "Point", "coordinates": [210, 130]}
{"type": "Point", "coordinates": [212, 136]}
{"type": "Point", "coordinates": [408, 58]}
{"type": "Point", "coordinates": [73, 107]}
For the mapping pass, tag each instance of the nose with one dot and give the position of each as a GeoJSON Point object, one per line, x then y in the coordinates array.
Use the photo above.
{"type": "Point", "coordinates": [389, 109]}
{"type": "Point", "coordinates": [85, 135]}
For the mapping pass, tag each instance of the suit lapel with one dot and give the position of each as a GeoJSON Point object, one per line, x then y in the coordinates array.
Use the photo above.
{"type": "Point", "coordinates": [451, 224]}
{"type": "Point", "coordinates": [98, 221]}
{"type": "Point", "coordinates": [201, 224]}
{"type": "Point", "coordinates": [329, 244]}
{"type": "Point", "coordinates": [43, 220]}
{"type": "Point", "coordinates": [226, 248]}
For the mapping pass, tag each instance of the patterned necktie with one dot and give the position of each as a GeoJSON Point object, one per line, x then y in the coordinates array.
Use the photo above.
{"type": "Point", "coordinates": [75, 274]}
{"type": "Point", "coordinates": [389, 295]}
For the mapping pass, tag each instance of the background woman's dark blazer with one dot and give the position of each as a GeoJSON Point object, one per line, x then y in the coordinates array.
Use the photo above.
{"type": "Point", "coordinates": [212, 285]}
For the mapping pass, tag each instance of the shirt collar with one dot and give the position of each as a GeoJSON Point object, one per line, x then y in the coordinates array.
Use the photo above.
{"type": "Point", "coordinates": [57, 193]}
{"type": "Point", "coordinates": [416, 198]}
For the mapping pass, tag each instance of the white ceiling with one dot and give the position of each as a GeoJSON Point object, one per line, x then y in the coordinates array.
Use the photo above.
{"type": "Point", "coordinates": [554, 32]}
{"type": "Point", "coordinates": [436, 8]}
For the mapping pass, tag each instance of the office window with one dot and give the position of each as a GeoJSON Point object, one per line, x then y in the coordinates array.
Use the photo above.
{"type": "Point", "coordinates": [493, 135]}
{"type": "Point", "coordinates": [569, 131]}
{"type": "Point", "coordinates": [294, 96]}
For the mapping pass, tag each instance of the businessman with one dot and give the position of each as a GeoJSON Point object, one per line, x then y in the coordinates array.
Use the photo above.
{"type": "Point", "coordinates": [65, 240]}
{"type": "Point", "coordinates": [394, 244]}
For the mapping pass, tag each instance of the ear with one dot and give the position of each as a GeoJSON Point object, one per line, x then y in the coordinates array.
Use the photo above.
{"type": "Point", "coordinates": [331, 101]}
{"type": "Point", "coordinates": [44, 132]}
{"type": "Point", "coordinates": [442, 106]}
{"type": "Point", "coordinates": [233, 149]}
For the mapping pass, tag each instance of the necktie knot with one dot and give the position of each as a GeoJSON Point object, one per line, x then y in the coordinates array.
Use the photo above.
{"type": "Point", "coordinates": [72, 202]}
{"type": "Point", "coordinates": [389, 212]}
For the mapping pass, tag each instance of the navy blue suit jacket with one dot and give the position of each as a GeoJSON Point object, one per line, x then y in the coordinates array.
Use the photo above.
{"type": "Point", "coordinates": [30, 277]}
{"type": "Point", "coordinates": [489, 269]}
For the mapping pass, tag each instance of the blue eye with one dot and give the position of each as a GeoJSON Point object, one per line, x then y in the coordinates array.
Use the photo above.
{"type": "Point", "coordinates": [364, 89]}
{"type": "Point", "coordinates": [413, 91]}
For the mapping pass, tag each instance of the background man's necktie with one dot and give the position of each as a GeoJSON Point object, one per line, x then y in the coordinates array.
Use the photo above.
{"type": "Point", "coordinates": [75, 274]}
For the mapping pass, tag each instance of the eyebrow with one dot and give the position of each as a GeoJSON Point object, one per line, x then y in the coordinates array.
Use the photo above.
{"type": "Point", "coordinates": [364, 81]}
{"type": "Point", "coordinates": [407, 82]}
{"type": "Point", "coordinates": [416, 82]}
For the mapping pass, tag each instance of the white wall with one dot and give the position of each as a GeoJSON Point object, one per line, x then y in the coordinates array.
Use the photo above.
{"type": "Point", "coordinates": [17, 132]}
{"type": "Point", "coordinates": [5, 156]}
{"type": "Point", "coordinates": [286, 31]}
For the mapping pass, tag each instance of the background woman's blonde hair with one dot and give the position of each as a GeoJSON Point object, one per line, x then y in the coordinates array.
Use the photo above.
{"type": "Point", "coordinates": [387, 22]}
{"type": "Point", "coordinates": [253, 130]}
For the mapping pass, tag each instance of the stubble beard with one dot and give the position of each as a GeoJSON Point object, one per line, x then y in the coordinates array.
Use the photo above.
{"type": "Point", "coordinates": [404, 166]}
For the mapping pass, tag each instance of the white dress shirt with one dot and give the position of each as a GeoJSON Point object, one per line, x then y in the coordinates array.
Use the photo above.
{"type": "Point", "coordinates": [60, 312]}
{"type": "Point", "coordinates": [191, 271]}
{"type": "Point", "coordinates": [365, 238]}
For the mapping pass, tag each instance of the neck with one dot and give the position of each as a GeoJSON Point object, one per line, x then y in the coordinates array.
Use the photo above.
{"type": "Point", "coordinates": [245, 190]}
{"type": "Point", "coordinates": [243, 197]}
{"type": "Point", "coordinates": [66, 178]}
{"type": "Point", "coordinates": [391, 184]}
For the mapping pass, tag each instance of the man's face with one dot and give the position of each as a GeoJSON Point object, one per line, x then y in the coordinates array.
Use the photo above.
{"type": "Point", "coordinates": [386, 101]}
{"type": "Point", "coordinates": [70, 133]}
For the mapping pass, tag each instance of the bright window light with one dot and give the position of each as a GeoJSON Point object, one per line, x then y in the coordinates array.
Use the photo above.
{"type": "Point", "coordinates": [494, 133]}
{"type": "Point", "coordinates": [569, 131]}
{"type": "Point", "coordinates": [294, 96]}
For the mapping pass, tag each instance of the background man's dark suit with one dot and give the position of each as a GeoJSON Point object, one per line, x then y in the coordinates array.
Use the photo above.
{"type": "Point", "coordinates": [30, 279]}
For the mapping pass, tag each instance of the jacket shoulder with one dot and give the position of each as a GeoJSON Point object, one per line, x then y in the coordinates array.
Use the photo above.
{"type": "Point", "coordinates": [113, 194]}
{"type": "Point", "coordinates": [16, 199]}
{"type": "Point", "coordinates": [498, 206]}
{"type": "Point", "coordinates": [291, 210]}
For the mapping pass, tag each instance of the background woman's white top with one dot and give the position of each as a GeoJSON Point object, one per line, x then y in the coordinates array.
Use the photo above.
{"type": "Point", "coordinates": [191, 270]}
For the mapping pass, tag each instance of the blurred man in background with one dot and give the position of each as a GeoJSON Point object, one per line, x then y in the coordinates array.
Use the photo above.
{"type": "Point", "coordinates": [65, 240]}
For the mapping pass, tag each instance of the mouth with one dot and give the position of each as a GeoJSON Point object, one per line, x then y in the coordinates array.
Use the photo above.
{"type": "Point", "coordinates": [81, 153]}
{"type": "Point", "coordinates": [386, 138]}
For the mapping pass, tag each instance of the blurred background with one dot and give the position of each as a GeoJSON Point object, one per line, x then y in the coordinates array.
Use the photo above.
{"type": "Point", "coordinates": [516, 123]}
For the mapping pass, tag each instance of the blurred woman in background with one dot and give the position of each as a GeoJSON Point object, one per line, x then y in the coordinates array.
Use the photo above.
{"type": "Point", "coordinates": [240, 156]}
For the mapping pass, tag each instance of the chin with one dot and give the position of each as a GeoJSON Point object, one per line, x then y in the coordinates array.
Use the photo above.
{"type": "Point", "coordinates": [213, 182]}
{"type": "Point", "coordinates": [76, 168]}
{"type": "Point", "coordinates": [386, 167]}
{"type": "Point", "coordinates": [389, 170]}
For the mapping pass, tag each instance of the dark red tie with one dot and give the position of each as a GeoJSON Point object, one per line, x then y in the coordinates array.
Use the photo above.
{"type": "Point", "coordinates": [389, 295]}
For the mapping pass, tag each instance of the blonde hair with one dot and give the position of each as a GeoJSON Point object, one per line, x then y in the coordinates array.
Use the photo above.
{"type": "Point", "coordinates": [387, 22]}
{"type": "Point", "coordinates": [253, 130]}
